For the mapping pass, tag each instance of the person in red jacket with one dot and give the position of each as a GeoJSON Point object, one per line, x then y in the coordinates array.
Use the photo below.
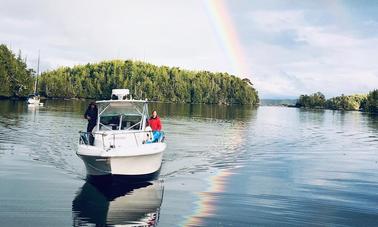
{"type": "Point", "coordinates": [155, 124]}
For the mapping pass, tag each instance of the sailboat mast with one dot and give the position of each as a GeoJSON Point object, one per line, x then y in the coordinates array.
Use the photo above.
{"type": "Point", "coordinates": [36, 78]}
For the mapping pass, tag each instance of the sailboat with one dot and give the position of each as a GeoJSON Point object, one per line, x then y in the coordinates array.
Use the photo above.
{"type": "Point", "coordinates": [34, 98]}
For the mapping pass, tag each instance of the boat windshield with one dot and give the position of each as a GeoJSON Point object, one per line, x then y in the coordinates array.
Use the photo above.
{"type": "Point", "coordinates": [121, 116]}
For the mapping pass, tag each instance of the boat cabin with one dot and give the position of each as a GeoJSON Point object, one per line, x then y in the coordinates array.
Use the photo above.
{"type": "Point", "coordinates": [121, 113]}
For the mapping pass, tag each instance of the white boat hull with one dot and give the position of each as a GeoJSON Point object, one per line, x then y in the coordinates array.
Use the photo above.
{"type": "Point", "coordinates": [142, 161]}
{"type": "Point", "coordinates": [33, 101]}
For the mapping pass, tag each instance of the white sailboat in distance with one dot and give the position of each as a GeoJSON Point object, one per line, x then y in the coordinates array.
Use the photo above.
{"type": "Point", "coordinates": [34, 99]}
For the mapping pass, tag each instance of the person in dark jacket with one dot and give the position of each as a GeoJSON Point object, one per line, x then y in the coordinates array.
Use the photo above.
{"type": "Point", "coordinates": [155, 124]}
{"type": "Point", "coordinates": [91, 115]}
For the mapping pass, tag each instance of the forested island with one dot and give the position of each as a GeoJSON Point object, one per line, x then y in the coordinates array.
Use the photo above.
{"type": "Point", "coordinates": [156, 83]}
{"type": "Point", "coordinates": [367, 103]}
{"type": "Point", "coordinates": [15, 77]}
{"type": "Point", "coordinates": [95, 81]}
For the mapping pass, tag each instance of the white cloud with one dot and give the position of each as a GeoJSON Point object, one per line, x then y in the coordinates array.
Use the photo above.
{"type": "Point", "coordinates": [276, 20]}
{"type": "Point", "coordinates": [327, 58]}
{"type": "Point", "coordinates": [176, 33]}
{"type": "Point", "coordinates": [290, 50]}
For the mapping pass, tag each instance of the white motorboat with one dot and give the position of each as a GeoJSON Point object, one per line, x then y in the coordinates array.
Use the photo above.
{"type": "Point", "coordinates": [122, 140]}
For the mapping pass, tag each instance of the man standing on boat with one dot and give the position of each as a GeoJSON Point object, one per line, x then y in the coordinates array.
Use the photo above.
{"type": "Point", "coordinates": [91, 116]}
{"type": "Point", "coordinates": [155, 124]}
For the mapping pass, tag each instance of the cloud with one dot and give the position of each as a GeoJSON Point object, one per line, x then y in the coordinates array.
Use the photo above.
{"type": "Point", "coordinates": [291, 49]}
{"type": "Point", "coordinates": [176, 33]}
{"type": "Point", "coordinates": [292, 54]}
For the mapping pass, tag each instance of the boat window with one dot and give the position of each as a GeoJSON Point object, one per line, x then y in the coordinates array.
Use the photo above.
{"type": "Point", "coordinates": [130, 122]}
{"type": "Point", "coordinates": [121, 116]}
{"type": "Point", "coordinates": [109, 122]}
{"type": "Point", "coordinates": [118, 109]}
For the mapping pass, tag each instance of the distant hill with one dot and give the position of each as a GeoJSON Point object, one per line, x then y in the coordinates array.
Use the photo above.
{"type": "Point", "coordinates": [156, 83]}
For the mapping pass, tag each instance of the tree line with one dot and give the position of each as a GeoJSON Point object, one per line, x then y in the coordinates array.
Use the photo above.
{"type": "Point", "coordinates": [156, 83]}
{"type": "Point", "coordinates": [95, 81]}
{"type": "Point", "coordinates": [16, 78]}
{"type": "Point", "coordinates": [367, 103]}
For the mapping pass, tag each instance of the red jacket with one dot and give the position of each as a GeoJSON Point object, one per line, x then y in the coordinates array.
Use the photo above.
{"type": "Point", "coordinates": [155, 123]}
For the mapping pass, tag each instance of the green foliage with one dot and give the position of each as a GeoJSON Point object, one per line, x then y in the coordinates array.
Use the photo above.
{"type": "Point", "coordinates": [350, 102]}
{"type": "Point", "coordinates": [166, 84]}
{"type": "Point", "coordinates": [15, 78]}
{"type": "Point", "coordinates": [316, 100]}
{"type": "Point", "coordinates": [368, 103]}
{"type": "Point", "coordinates": [371, 104]}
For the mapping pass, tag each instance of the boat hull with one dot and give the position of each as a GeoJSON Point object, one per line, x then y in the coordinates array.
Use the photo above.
{"type": "Point", "coordinates": [33, 101]}
{"type": "Point", "coordinates": [135, 165]}
{"type": "Point", "coordinates": [124, 178]}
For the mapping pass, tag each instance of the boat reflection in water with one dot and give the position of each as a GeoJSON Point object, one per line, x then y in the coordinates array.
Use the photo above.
{"type": "Point", "coordinates": [107, 203]}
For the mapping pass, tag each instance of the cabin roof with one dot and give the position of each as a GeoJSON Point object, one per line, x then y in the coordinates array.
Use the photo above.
{"type": "Point", "coordinates": [122, 101]}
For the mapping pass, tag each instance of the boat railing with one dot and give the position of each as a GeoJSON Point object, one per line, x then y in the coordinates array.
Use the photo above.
{"type": "Point", "coordinates": [86, 137]}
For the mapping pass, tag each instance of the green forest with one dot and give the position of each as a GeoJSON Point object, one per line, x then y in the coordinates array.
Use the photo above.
{"type": "Point", "coordinates": [95, 81]}
{"type": "Point", "coordinates": [367, 103]}
{"type": "Point", "coordinates": [15, 77]}
{"type": "Point", "coordinates": [156, 83]}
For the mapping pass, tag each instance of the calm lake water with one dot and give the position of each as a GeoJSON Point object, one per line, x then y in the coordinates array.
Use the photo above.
{"type": "Point", "coordinates": [224, 166]}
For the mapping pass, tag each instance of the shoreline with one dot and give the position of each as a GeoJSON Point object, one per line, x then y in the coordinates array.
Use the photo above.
{"type": "Point", "coordinates": [320, 108]}
{"type": "Point", "coordinates": [91, 99]}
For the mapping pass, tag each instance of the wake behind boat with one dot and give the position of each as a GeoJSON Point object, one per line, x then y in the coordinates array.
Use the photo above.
{"type": "Point", "coordinates": [121, 142]}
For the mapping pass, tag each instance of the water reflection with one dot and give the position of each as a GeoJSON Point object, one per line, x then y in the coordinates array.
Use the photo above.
{"type": "Point", "coordinates": [224, 166]}
{"type": "Point", "coordinates": [235, 112]}
{"type": "Point", "coordinates": [70, 106]}
{"type": "Point", "coordinates": [116, 203]}
{"type": "Point", "coordinates": [10, 113]}
{"type": "Point", "coordinates": [311, 115]}
{"type": "Point", "coordinates": [372, 121]}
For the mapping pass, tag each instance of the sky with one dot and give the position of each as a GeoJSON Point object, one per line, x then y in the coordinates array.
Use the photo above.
{"type": "Point", "coordinates": [285, 47]}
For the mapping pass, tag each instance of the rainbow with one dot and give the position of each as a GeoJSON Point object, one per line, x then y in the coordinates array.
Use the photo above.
{"type": "Point", "coordinates": [217, 183]}
{"type": "Point", "coordinates": [227, 35]}
{"type": "Point", "coordinates": [205, 205]}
